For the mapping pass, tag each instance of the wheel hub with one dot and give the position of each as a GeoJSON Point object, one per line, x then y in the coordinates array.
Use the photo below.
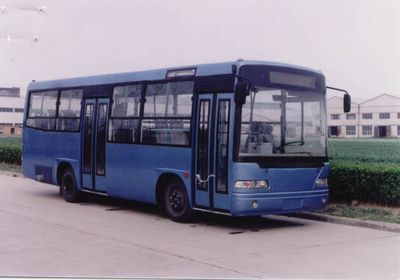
{"type": "Point", "coordinates": [176, 200]}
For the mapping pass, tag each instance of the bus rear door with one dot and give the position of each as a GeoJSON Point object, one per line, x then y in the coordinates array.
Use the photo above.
{"type": "Point", "coordinates": [94, 143]}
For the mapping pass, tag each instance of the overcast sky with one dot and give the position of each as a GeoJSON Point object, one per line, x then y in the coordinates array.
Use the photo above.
{"type": "Point", "coordinates": [356, 44]}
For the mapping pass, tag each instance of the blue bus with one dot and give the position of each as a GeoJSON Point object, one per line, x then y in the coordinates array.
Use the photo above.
{"type": "Point", "coordinates": [240, 138]}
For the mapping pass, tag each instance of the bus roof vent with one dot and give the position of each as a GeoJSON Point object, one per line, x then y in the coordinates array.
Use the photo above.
{"type": "Point", "coordinates": [178, 73]}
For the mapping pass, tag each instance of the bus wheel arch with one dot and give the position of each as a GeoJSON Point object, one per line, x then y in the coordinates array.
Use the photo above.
{"type": "Point", "coordinates": [62, 166]}
{"type": "Point", "coordinates": [68, 184]}
{"type": "Point", "coordinates": [165, 183]}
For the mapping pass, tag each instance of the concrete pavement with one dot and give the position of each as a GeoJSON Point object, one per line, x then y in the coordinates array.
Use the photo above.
{"type": "Point", "coordinates": [41, 235]}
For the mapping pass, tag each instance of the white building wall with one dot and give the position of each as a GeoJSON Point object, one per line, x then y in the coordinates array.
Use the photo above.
{"type": "Point", "coordinates": [335, 107]}
{"type": "Point", "coordinates": [377, 126]}
{"type": "Point", "coordinates": [14, 118]}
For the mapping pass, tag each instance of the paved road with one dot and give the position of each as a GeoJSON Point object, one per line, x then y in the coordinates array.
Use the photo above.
{"type": "Point", "coordinates": [41, 235]}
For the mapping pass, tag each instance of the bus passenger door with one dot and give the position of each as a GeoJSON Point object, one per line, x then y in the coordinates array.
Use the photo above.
{"type": "Point", "coordinates": [214, 115]}
{"type": "Point", "coordinates": [94, 143]}
{"type": "Point", "coordinates": [222, 145]}
{"type": "Point", "coordinates": [203, 175]}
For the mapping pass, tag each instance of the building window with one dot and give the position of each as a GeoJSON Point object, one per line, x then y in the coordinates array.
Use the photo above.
{"type": "Point", "coordinates": [384, 115]}
{"type": "Point", "coordinates": [398, 115]}
{"type": "Point", "coordinates": [335, 117]}
{"type": "Point", "coordinates": [398, 130]}
{"type": "Point", "coordinates": [334, 130]}
{"type": "Point", "coordinates": [367, 116]}
{"type": "Point", "coordinates": [18, 110]}
{"type": "Point", "coordinates": [350, 116]}
{"type": "Point", "coordinates": [2, 109]}
{"type": "Point", "coordinates": [367, 130]}
{"type": "Point", "coordinates": [351, 130]}
{"type": "Point", "coordinates": [5, 123]}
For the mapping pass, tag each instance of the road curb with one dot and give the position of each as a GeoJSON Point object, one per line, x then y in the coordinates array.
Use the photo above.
{"type": "Point", "coordinates": [348, 221]}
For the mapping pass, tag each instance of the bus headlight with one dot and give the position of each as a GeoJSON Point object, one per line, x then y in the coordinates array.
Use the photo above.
{"type": "Point", "coordinates": [321, 182]}
{"type": "Point", "coordinates": [261, 184]}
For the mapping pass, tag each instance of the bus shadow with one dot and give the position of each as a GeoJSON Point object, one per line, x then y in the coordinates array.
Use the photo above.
{"type": "Point", "coordinates": [239, 225]}
{"type": "Point", "coordinates": [234, 225]}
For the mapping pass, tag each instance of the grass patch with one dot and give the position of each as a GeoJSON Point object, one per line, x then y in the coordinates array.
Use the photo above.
{"type": "Point", "coordinates": [365, 212]}
{"type": "Point", "coordinates": [378, 151]}
{"type": "Point", "coordinates": [10, 149]}
{"type": "Point", "coordinates": [14, 141]}
{"type": "Point", "coordinates": [367, 170]}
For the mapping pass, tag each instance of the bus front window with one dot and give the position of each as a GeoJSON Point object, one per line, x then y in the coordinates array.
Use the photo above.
{"type": "Point", "coordinates": [281, 122]}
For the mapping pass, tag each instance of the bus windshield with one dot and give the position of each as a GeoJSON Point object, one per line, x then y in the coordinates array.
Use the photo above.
{"type": "Point", "coordinates": [279, 122]}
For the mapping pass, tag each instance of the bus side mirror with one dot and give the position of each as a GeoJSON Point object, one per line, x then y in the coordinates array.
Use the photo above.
{"type": "Point", "coordinates": [241, 91]}
{"type": "Point", "coordinates": [346, 103]}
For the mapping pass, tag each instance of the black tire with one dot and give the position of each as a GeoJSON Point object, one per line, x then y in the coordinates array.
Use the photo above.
{"type": "Point", "coordinates": [68, 187]}
{"type": "Point", "coordinates": [176, 202]}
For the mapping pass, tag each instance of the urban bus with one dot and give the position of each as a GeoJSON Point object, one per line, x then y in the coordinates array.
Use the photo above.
{"type": "Point", "coordinates": [240, 138]}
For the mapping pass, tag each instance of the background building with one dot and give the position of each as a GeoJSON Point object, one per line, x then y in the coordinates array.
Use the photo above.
{"type": "Point", "coordinates": [11, 111]}
{"type": "Point", "coordinates": [377, 117]}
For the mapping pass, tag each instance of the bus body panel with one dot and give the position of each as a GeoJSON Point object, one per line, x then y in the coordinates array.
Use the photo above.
{"type": "Point", "coordinates": [243, 204]}
{"type": "Point", "coordinates": [290, 190]}
{"type": "Point", "coordinates": [44, 149]}
{"type": "Point", "coordinates": [132, 171]}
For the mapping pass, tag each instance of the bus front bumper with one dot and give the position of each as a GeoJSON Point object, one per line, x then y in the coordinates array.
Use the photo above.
{"type": "Point", "coordinates": [246, 204]}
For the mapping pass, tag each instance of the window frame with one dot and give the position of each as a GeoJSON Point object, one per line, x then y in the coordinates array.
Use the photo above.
{"type": "Point", "coordinates": [140, 119]}
{"type": "Point", "coordinates": [110, 117]}
{"type": "Point", "coordinates": [384, 114]}
{"type": "Point", "coordinates": [190, 118]}
{"type": "Point", "coordinates": [221, 83]}
{"type": "Point", "coordinates": [364, 128]}
{"type": "Point", "coordinates": [351, 116]}
{"type": "Point", "coordinates": [6, 110]}
{"type": "Point", "coordinates": [348, 128]}
{"type": "Point", "coordinates": [363, 116]}
{"type": "Point", "coordinates": [56, 117]}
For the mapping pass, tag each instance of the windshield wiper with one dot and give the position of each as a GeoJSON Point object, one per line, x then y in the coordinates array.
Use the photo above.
{"type": "Point", "coordinates": [283, 145]}
{"type": "Point", "coordinates": [299, 143]}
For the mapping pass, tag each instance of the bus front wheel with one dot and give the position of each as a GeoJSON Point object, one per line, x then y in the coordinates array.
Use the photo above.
{"type": "Point", "coordinates": [176, 202]}
{"type": "Point", "coordinates": [68, 187]}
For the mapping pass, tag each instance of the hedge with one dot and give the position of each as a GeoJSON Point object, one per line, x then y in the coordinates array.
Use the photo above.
{"type": "Point", "coordinates": [365, 182]}
{"type": "Point", "coordinates": [10, 154]}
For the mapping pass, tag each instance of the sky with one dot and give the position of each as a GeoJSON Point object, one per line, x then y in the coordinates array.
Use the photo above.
{"type": "Point", "coordinates": [355, 43]}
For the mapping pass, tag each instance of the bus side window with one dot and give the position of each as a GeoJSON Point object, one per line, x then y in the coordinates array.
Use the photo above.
{"type": "Point", "coordinates": [42, 109]}
{"type": "Point", "coordinates": [167, 113]}
{"type": "Point", "coordinates": [69, 110]}
{"type": "Point", "coordinates": [124, 121]}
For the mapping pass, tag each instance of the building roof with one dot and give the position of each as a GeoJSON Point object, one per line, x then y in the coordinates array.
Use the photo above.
{"type": "Point", "coordinates": [380, 96]}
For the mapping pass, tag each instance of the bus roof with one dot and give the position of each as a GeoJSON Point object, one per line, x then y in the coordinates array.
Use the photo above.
{"type": "Point", "coordinates": [156, 74]}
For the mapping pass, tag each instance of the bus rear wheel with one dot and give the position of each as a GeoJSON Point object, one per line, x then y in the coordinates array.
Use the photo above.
{"type": "Point", "coordinates": [68, 187]}
{"type": "Point", "coordinates": [176, 202]}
